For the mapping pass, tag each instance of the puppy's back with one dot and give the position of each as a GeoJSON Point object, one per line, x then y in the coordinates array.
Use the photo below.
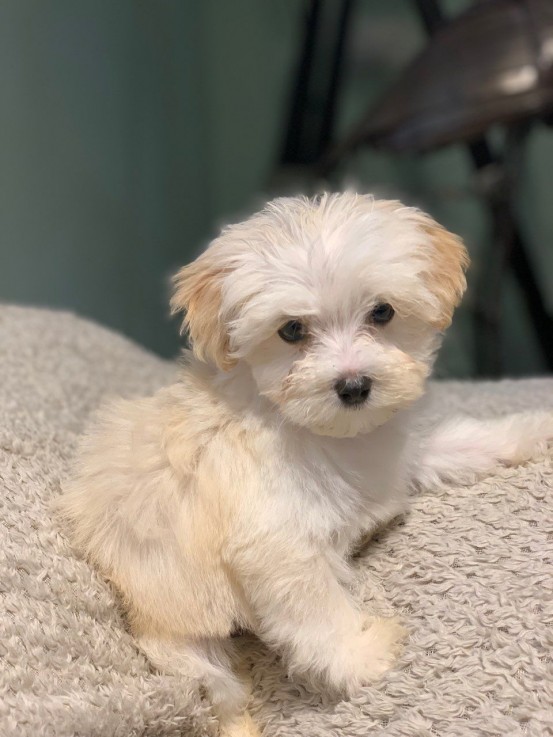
{"type": "Point", "coordinates": [134, 508]}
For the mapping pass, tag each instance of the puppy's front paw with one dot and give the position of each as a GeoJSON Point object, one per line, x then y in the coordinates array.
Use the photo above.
{"type": "Point", "coordinates": [367, 655]}
{"type": "Point", "coordinates": [379, 646]}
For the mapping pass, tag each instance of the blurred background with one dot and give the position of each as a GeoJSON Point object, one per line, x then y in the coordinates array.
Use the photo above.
{"type": "Point", "coordinates": [130, 131]}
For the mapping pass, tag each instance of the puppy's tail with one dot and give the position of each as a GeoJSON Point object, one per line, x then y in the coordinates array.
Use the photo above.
{"type": "Point", "coordinates": [464, 449]}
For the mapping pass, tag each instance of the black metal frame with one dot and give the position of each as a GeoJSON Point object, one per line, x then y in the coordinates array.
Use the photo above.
{"type": "Point", "coordinates": [312, 112]}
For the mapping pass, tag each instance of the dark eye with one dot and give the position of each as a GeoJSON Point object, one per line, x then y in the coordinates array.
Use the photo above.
{"type": "Point", "coordinates": [382, 314]}
{"type": "Point", "coordinates": [293, 331]}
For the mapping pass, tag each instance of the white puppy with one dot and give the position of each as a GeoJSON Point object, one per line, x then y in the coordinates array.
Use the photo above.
{"type": "Point", "coordinates": [233, 498]}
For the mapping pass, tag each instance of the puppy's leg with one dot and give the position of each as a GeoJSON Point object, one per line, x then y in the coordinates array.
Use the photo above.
{"type": "Point", "coordinates": [303, 611]}
{"type": "Point", "coordinates": [463, 449]}
{"type": "Point", "coordinates": [208, 661]}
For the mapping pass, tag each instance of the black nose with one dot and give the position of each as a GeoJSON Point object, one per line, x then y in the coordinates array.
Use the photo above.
{"type": "Point", "coordinates": [353, 392]}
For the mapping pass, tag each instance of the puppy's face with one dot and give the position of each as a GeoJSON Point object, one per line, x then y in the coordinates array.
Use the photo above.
{"type": "Point", "coordinates": [337, 305]}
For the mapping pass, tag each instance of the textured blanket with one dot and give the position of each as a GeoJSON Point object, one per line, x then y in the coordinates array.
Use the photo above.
{"type": "Point", "coordinates": [469, 569]}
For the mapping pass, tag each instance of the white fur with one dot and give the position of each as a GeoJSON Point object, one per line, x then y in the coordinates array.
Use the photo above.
{"type": "Point", "coordinates": [234, 498]}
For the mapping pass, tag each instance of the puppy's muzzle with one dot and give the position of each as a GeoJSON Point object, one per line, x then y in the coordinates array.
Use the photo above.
{"type": "Point", "coordinates": [353, 392]}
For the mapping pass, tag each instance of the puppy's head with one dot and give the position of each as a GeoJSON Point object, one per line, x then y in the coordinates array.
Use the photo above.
{"type": "Point", "coordinates": [337, 305]}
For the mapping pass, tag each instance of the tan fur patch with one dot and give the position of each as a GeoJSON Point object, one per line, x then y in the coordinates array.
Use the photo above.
{"type": "Point", "coordinates": [198, 294]}
{"type": "Point", "coordinates": [447, 279]}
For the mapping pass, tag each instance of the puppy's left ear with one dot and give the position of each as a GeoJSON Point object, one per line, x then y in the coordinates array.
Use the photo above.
{"type": "Point", "coordinates": [198, 294]}
{"type": "Point", "coordinates": [445, 275]}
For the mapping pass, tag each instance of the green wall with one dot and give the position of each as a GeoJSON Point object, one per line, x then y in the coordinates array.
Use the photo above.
{"type": "Point", "coordinates": [129, 131]}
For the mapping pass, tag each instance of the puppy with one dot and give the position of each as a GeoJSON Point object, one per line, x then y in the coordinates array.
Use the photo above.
{"type": "Point", "coordinates": [234, 498]}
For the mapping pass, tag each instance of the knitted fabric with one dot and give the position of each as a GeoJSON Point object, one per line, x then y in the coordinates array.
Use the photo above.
{"type": "Point", "coordinates": [469, 569]}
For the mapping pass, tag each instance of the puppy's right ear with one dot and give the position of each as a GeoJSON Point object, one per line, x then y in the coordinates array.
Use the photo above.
{"type": "Point", "coordinates": [197, 293]}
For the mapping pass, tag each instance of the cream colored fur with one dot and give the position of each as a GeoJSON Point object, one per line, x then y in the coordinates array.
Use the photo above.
{"type": "Point", "coordinates": [233, 498]}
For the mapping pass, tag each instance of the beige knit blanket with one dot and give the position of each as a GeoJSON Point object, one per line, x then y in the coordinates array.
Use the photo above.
{"type": "Point", "coordinates": [469, 568]}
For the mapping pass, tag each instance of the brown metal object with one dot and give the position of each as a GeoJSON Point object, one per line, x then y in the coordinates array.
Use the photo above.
{"type": "Point", "coordinates": [493, 64]}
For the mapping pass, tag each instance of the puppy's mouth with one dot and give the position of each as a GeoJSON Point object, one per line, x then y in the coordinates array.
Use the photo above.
{"type": "Point", "coordinates": [354, 408]}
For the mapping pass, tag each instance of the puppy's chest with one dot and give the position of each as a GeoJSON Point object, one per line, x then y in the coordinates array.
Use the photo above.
{"type": "Point", "coordinates": [340, 488]}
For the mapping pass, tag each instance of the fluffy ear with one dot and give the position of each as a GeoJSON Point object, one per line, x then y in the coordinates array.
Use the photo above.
{"type": "Point", "coordinates": [446, 274]}
{"type": "Point", "coordinates": [197, 293]}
